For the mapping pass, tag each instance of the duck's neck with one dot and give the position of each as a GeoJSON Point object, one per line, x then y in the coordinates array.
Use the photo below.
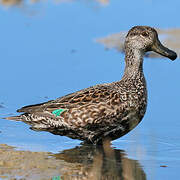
{"type": "Point", "coordinates": [134, 63]}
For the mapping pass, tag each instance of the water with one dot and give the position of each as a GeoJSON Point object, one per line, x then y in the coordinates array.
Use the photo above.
{"type": "Point", "coordinates": [48, 49]}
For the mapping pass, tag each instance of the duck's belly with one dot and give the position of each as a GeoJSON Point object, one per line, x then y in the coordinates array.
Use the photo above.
{"type": "Point", "coordinates": [120, 124]}
{"type": "Point", "coordinates": [125, 125]}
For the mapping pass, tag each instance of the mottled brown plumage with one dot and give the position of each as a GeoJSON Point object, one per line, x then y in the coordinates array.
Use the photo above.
{"type": "Point", "coordinates": [106, 110]}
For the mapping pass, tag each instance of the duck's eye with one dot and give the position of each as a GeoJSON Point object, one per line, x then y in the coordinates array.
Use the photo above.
{"type": "Point", "coordinates": [145, 34]}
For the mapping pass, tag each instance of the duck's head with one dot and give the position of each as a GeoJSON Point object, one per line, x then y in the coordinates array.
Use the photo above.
{"type": "Point", "coordinates": [145, 38]}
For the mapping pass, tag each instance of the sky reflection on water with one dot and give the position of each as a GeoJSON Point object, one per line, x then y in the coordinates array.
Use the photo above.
{"type": "Point", "coordinates": [49, 50]}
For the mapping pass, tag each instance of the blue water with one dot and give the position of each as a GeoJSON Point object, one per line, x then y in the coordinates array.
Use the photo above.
{"type": "Point", "coordinates": [48, 49]}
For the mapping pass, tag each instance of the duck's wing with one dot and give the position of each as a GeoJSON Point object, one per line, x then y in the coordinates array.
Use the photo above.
{"type": "Point", "coordinates": [85, 114]}
{"type": "Point", "coordinates": [91, 95]}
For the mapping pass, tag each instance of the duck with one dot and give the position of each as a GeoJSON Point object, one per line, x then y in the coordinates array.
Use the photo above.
{"type": "Point", "coordinates": [103, 111]}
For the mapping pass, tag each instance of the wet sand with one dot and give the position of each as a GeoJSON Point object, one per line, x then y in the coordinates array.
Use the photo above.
{"type": "Point", "coordinates": [27, 165]}
{"type": "Point", "coordinates": [21, 3]}
{"type": "Point", "coordinates": [81, 162]}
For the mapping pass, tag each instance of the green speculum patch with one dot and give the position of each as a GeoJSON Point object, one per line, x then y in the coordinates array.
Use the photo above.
{"type": "Point", "coordinates": [58, 112]}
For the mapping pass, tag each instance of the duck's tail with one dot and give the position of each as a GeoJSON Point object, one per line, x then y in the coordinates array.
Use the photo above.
{"type": "Point", "coordinates": [15, 118]}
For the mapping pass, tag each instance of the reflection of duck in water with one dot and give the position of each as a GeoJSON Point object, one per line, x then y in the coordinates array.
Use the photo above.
{"type": "Point", "coordinates": [99, 163]}
{"type": "Point", "coordinates": [102, 111]}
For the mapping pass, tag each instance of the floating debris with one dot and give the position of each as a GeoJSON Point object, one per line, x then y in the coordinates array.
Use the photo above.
{"type": "Point", "coordinates": [163, 166]}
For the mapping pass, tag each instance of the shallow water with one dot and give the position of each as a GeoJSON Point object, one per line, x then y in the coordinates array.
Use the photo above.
{"type": "Point", "coordinates": [48, 49]}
